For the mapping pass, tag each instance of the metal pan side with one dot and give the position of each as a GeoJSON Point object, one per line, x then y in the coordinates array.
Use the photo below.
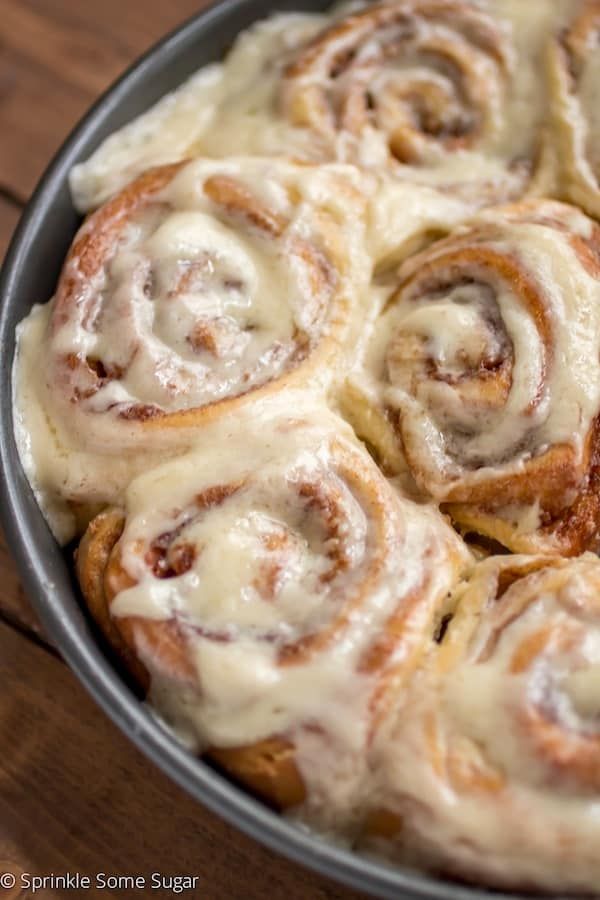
{"type": "Point", "coordinates": [29, 276]}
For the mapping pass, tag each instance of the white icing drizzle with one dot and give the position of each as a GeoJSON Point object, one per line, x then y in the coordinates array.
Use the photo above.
{"type": "Point", "coordinates": [288, 554]}
{"type": "Point", "coordinates": [194, 304]}
{"type": "Point", "coordinates": [487, 353]}
{"type": "Point", "coordinates": [240, 103]}
{"type": "Point", "coordinates": [574, 70]}
{"type": "Point", "coordinates": [490, 765]}
{"type": "Point", "coordinates": [199, 304]}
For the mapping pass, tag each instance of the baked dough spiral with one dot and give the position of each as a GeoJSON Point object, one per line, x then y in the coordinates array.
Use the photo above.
{"type": "Point", "coordinates": [452, 93]}
{"type": "Point", "coordinates": [492, 770]}
{"type": "Point", "coordinates": [307, 619]}
{"type": "Point", "coordinates": [352, 75]}
{"type": "Point", "coordinates": [575, 76]}
{"type": "Point", "coordinates": [483, 377]}
{"type": "Point", "coordinates": [195, 287]}
{"type": "Point", "coordinates": [270, 596]}
{"type": "Point", "coordinates": [429, 80]}
{"type": "Point", "coordinates": [201, 286]}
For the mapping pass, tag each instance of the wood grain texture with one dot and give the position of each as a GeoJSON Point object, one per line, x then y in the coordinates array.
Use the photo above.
{"type": "Point", "coordinates": [56, 56]}
{"type": "Point", "coordinates": [9, 216]}
{"type": "Point", "coordinates": [14, 606]}
{"type": "Point", "coordinates": [76, 796]}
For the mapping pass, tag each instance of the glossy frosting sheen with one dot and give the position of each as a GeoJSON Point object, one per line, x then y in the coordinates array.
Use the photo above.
{"type": "Point", "coordinates": [281, 582]}
{"type": "Point", "coordinates": [503, 727]}
{"type": "Point", "coordinates": [211, 304]}
{"type": "Point", "coordinates": [574, 62]}
{"type": "Point", "coordinates": [223, 279]}
{"type": "Point", "coordinates": [404, 254]}
{"type": "Point", "coordinates": [459, 323]}
{"type": "Point", "coordinates": [483, 366]}
{"type": "Point", "coordinates": [475, 65]}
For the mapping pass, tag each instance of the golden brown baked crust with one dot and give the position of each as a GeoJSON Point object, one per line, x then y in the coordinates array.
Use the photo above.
{"type": "Point", "coordinates": [573, 62]}
{"type": "Point", "coordinates": [201, 287]}
{"type": "Point", "coordinates": [326, 641]}
{"type": "Point", "coordinates": [327, 85]}
{"type": "Point", "coordinates": [499, 729]}
{"type": "Point", "coordinates": [90, 295]}
{"type": "Point", "coordinates": [484, 377]}
{"type": "Point", "coordinates": [267, 768]}
{"type": "Point", "coordinates": [91, 559]}
{"type": "Point", "coordinates": [426, 79]}
{"type": "Point", "coordinates": [302, 515]}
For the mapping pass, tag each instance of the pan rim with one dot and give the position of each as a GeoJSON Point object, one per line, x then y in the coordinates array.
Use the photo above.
{"type": "Point", "coordinates": [67, 628]}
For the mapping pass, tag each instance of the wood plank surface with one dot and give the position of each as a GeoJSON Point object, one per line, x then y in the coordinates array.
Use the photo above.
{"type": "Point", "coordinates": [76, 796]}
{"type": "Point", "coordinates": [9, 216]}
{"type": "Point", "coordinates": [56, 56]}
{"type": "Point", "coordinates": [14, 606]}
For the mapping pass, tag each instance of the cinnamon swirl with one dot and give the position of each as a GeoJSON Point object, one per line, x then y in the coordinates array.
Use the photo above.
{"type": "Point", "coordinates": [482, 376]}
{"type": "Point", "coordinates": [273, 595]}
{"type": "Point", "coordinates": [575, 74]}
{"type": "Point", "coordinates": [201, 286]}
{"type": "Point", "coordinates": [427, 80]}
{"type": "Point", "coordinates": [491, 771]}
{"type": "Point", "coordinates": [227, 104]}
{"type": "Point", "coordinates": [340, 627]}
{"type": "Point", "coordinates": [440, 92]}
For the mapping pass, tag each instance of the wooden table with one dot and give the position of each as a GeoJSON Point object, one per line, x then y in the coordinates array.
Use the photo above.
{"type": "Point", "coordinates": [75, 796]}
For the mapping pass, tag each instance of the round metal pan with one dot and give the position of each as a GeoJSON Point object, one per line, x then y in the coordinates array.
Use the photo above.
{"type": "Point", "coordinates": [29, 276]}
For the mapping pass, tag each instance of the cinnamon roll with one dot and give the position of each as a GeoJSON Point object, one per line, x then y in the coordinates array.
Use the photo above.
{"type": "Point", "coordinates": [224, 105]}
{"type": "Point", "coordinates": [482, 376]}
{"type": "Point", "coordinates": [437, 92]}
{"type": "Point", "coordinates": [575, 76]}
{"type": "Point", "coordinates": [200, 287]}
{"type": "Point", "coordinates": [411, 69]}
{"type": "Point", "coordinates": [491, 770]}
{"type": "Point", "coordinates": [272, 595]}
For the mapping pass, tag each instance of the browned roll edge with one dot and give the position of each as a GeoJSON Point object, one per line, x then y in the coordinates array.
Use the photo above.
{"type": "Point", "coordinates": [267, 768]}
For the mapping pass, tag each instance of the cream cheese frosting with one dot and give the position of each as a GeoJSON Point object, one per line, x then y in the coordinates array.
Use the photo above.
{"type": "Point", "coordinates": [230, 278]}
{"type": "Point", "coordinates": [574, 70]}
{"type": "Point", "coordinates": [493, 759]}
{"type": "Point", "coordinates": [192, 305]}
{"type": "Point", "coordinates": [226, 330]}
{"type": "Point", "coordinates": [481, 368]}
{"type": "Point", "coordinates": [303, 556]}
{"type": "Point", "coordinates": [242, 103]}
